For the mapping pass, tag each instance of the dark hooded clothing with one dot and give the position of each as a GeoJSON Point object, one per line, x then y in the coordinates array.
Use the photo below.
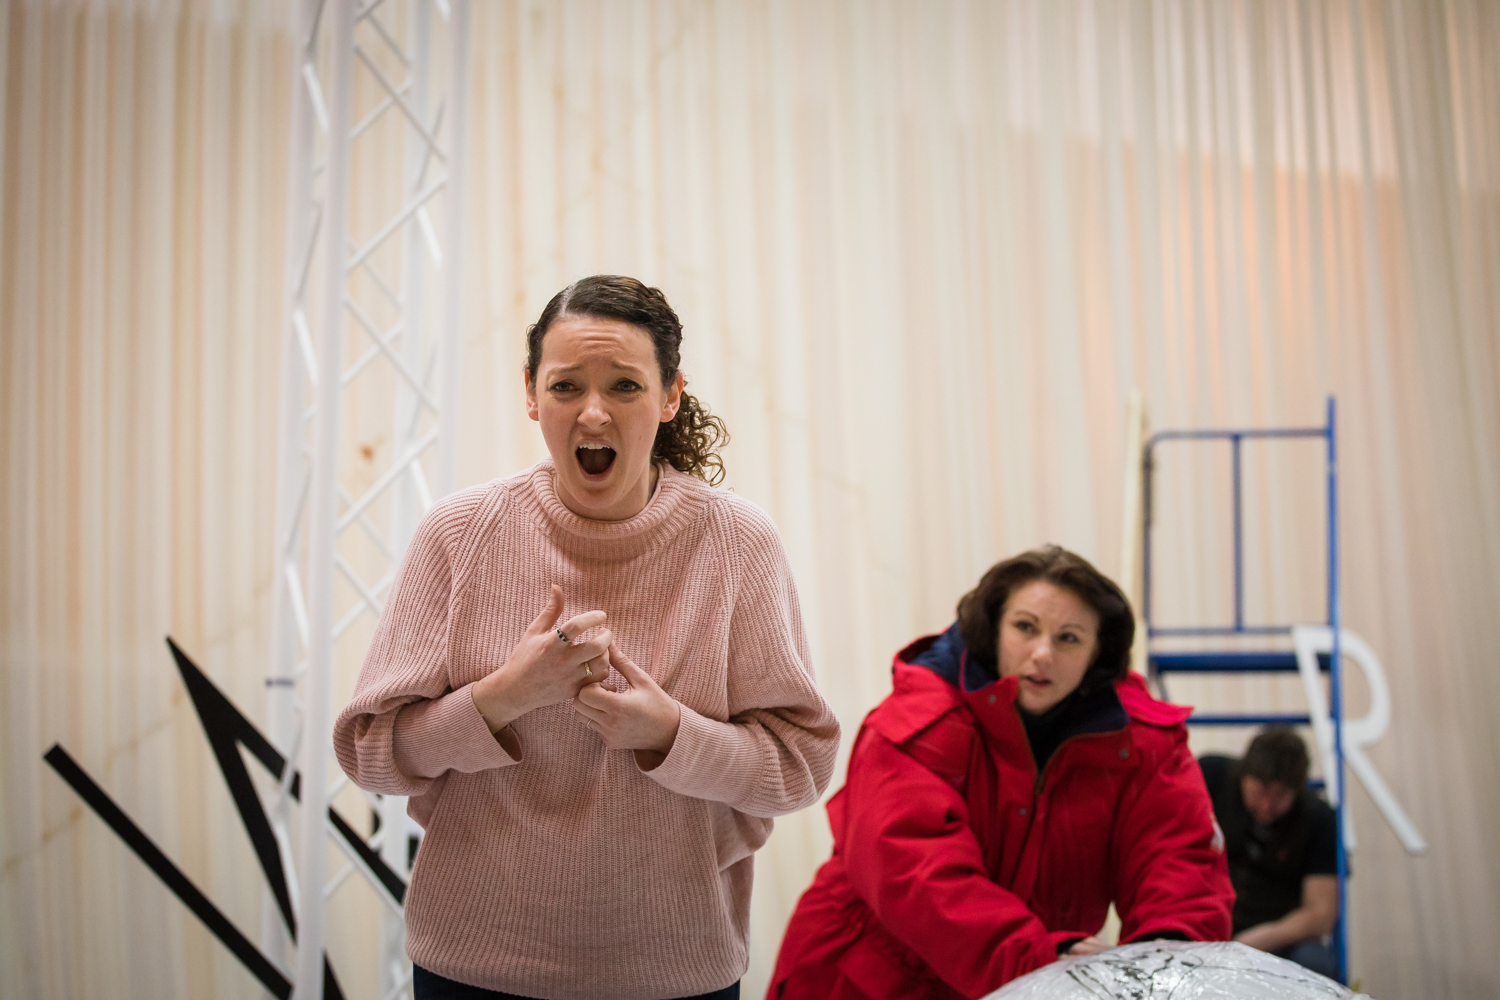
{"type": "Point", "coordinates": [959, 864]}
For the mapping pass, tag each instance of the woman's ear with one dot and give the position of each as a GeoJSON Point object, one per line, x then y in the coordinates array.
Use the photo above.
{"type": "Point", "coordinates": [531, 409]}
{"type": "Point", "coordinates": [674, 398]}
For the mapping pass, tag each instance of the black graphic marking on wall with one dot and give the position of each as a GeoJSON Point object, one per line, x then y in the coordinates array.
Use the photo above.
{"type": "Point", "coordinates": [227, 730]}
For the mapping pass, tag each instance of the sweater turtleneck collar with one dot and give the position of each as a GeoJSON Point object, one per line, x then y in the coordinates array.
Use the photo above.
{"type": "Point", "coordinates": [670, 508]}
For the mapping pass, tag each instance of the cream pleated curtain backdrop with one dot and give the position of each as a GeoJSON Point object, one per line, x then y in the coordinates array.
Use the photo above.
{"type": "Point", "coordinates": [143, 172]}
{"type": "Point", "coordinates": [923, 253]}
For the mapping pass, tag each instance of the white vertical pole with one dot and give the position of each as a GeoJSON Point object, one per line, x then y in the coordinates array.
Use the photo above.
{"type": "Point", "coordinates": [317, 727]}
{"type": "Point", "coordinates": [291, 472]}
{"type": "Point", "coordinates": [453, 266]}
{"type": "Point", "coordinates": [309, 484]}
{"type": "Point", "coordinates": [413, 279]}
{"type": "Point", "coordinates": [407, 508]}
{"type": "Point", "coordinates": [1131, 535]}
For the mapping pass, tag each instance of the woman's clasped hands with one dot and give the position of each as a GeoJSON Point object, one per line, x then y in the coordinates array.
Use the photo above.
{"type": "Point", "coordinates": [549, 666]}
{"type": "Point", "coordinates": [642, 717]}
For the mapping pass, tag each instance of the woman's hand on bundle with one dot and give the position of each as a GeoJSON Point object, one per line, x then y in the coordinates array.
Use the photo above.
{"type": "Point", "coordinates": [544, 669]}
{"type": "Point", "coordinates": [1088, 946]}
{"type": "Point", "coordinates": [643, 717]}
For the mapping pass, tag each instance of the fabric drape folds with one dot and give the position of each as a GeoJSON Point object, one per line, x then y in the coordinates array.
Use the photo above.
{"type": "Point", "coordinates": [922, 252]}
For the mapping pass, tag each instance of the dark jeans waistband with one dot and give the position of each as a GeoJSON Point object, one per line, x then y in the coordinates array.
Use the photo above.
{"type": "Point", "coordinates": [431, 986]}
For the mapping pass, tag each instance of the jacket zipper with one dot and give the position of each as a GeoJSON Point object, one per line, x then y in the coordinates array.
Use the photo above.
{"type": "Point", "coordinates": [1041, 773]}
{"type": "Point", "coordinates": [1040, 783]}
{"type": "Point", "coordinates": [1041, 777]}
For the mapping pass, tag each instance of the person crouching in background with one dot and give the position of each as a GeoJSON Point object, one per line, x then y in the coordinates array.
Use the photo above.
{"type": "Point", "coordinates": [1282, 849]}
{"type": "Point", "coordinates": [1017, 781]}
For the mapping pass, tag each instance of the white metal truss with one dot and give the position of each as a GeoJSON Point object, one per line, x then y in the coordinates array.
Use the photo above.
{"type": "Point", "coordinates": [372, 315]}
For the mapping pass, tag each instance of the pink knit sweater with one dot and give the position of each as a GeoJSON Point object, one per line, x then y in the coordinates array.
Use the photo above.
{"type": "Point", "coordinates": [568, 872]}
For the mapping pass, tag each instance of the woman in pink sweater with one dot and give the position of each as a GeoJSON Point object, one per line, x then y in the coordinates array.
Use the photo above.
{"type": "Point", "coordinates": [594, 779]}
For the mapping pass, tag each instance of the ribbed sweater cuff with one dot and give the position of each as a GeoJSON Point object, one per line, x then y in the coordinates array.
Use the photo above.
{"type": "Point", "coordinates": [449, 734]}
{"type": "Point", "coordinates": [705, 761]}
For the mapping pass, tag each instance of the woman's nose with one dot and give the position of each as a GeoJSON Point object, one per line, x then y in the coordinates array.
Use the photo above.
{"type": "Point", "coordinates": [593, 414]}
{"type": "Point", "coordinates": [1042, 651]}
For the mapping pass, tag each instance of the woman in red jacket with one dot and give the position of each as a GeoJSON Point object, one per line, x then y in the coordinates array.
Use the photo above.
{"type": "Point", "coordinates": [1017, 781]}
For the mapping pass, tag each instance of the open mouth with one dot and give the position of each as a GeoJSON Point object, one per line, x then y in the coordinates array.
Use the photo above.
{"type": "Point", "coordinates": [595, 459]}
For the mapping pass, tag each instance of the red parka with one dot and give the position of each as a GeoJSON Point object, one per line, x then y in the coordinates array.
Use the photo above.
{"type": "Point", "coordinates": [957, 867]}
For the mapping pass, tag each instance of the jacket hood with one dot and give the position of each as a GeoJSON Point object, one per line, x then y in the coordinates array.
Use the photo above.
{"type": "Point", "coordinates": [946, 656]}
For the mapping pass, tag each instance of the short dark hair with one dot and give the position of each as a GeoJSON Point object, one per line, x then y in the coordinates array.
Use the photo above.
{"type": "Point", "coordinates": [1277, 754]}
{"type": "Point", "coordinates": [692, 440]}
{"type": "Point", "coordinates": [979, 610]}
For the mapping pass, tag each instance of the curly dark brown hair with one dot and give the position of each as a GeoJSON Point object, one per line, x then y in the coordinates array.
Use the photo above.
{"type": "Point", "coordinates": [692, 440]}
{"type": "Point", "coordinates": [979, 610]}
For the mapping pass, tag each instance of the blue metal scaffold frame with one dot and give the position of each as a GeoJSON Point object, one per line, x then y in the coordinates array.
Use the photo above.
{"type": "Point", "coordinates": [1268, 661]}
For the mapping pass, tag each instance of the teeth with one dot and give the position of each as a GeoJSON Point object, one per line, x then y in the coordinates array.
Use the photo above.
{"type": "Point", "coordinates": [595, 446]}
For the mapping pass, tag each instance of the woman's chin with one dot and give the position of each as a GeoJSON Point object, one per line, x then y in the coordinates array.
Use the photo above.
{"type": "Point", "coordinates": [592, 491]}
{"type": "Point", "coordinates": [1036, 702]}
{"type": "Point", "coordinates": [605, 496]}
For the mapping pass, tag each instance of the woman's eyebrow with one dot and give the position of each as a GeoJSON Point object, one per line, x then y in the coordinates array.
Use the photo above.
{"type": "Point", "coordinates": [570, 369]}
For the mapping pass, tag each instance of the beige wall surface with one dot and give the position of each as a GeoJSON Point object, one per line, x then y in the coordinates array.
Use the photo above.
{"type": "Point", "coordinates": [923, 252]}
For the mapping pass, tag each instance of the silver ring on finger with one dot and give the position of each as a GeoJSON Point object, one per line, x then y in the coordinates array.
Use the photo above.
{"type": "Point", "coordinates": [562, 635]}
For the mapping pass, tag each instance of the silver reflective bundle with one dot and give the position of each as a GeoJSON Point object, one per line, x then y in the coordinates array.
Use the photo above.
{"type": "Point", "coordinates": [1179, 970]}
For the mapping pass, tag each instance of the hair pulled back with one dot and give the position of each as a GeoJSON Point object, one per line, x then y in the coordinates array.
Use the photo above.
{"type": "Point", "coordinates": [691, 441]}
{"type": "Point", "coordinates": [979, 610]}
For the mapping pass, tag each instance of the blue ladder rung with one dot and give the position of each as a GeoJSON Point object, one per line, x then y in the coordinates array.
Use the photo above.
{"type": "Point", "coordinates": [1231, 662]}
{"type": "Point", "coordinates": [1197, 719]}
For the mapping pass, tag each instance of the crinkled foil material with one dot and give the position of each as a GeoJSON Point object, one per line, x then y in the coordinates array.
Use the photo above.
{"type": "Point", "coordinates": [1175, 970]}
